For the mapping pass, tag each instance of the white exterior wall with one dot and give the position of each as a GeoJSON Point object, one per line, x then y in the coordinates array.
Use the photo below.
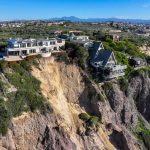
{"type": "Point", "coordinates": [79, 39]}
{"type": "Point", "coordinates": [50, 45]}
{"type": "Point", "coordinates": [21, 49]}
{"type": "Point", "coordinates": [61, 44]}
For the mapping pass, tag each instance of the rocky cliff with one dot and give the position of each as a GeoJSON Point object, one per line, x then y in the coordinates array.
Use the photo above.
{"type": "Point", "coordinates": [140, 92]}
{"type": "Point", "coordinates": [70, 92]}
{"type": "Point", "coordinates": [145, 49]}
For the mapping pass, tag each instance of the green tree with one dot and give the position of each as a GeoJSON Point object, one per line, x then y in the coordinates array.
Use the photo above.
{"type": "Point", "coordinates": [82, 56]}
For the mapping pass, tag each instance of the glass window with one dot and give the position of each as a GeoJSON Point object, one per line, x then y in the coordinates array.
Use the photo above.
{"type": "Point", "coordinates": [16, 45]}
{"type": "Point", "coordinates": [22, 45]}
{"type": "Point", "coordinates": [55, 48]}
{"type": "Point", "coordinates": [40, 44]}
{"type": "Point", "coordinates": [31, 51]}
{"type": "Point", "coordinates": [34, 44]}
{"type": "Point", "coordinates": [46, 43]}
{"type": "Point", "coordinates": [52, 43]}
{"type": "Point", "coordinates": [28, 44]}
{"type": "Point", "coordinates": [59, 41]}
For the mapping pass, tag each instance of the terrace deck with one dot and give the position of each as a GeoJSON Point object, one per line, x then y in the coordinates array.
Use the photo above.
{"type": "Point", "coordinates": [13, 58]}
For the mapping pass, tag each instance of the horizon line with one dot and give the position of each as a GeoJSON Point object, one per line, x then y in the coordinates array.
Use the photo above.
{"type": "Point", "coordinates": [36, 19]}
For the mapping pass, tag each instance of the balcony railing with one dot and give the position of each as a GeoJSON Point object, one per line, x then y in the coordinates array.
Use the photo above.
{"type": "Point", "coordinates": [114, 75]}
{"type": "Point", "coordinates": [118, 67]}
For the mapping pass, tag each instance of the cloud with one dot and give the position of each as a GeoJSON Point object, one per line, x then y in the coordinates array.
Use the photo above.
{"type": "Point", "coordinates": [146, 5]}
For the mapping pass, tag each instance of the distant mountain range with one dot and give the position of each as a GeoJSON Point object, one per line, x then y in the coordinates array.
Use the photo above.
{"type": "Point", "coordinates": [92, 20]}
{"type": "Point", "coordinates": [75, 19]}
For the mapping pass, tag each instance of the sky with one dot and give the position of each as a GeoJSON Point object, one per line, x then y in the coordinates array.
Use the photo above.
{"type": "Point", "coordinates": [45, 9]}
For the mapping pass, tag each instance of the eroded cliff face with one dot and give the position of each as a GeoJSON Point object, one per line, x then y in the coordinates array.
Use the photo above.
{"type": "Point", "coordinates": [70, 92]}
{"type": "Point", "coordinates": [123, 106]}
{"type": "Point", "coordinates": [145, 49]}
{"type": "Point", "coordinates": [65, 89]}
{"type": "Point", "coordinates": [139, 90]}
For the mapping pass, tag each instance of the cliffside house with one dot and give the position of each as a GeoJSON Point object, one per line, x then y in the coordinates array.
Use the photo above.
{"type": "Point", "coordinates": [21, 48]}
{"type": "Point", "coordinates": [104, 62]}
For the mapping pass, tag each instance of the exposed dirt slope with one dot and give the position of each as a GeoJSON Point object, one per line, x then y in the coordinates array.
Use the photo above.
{"type": "Point", "coordinates": [65, 89]}
{"type": "Point", "coordinates": [63, 85]}
{"type": "Point", "coordinates": [70, 92]}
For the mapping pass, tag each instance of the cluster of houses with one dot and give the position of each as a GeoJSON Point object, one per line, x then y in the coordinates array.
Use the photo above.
{"type": "Point", "coordinates": [82, 39]}
{"type": "Point", "coordinates": [101, 59]}
{"type": "Point", "coordinates": [55, 23]}
{"type": "Point", "coordinates": [142, 28]}
{"type": "Point", "coordinates": [19, 24]}
{"type": "Point", "coordinates": [11, 25]}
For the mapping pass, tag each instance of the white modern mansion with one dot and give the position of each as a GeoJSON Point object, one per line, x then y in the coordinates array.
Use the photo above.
{"type": "Point", "coordinates": [28, 47]}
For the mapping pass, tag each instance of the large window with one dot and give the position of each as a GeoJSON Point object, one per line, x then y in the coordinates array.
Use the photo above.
{"type": "Point", "coordinates": [52, 43]}
{"type": "Point", "coordinates": [13, 53]}
{"type": "Point", "coordinates": [40, 44]}
{"type": "Point", "coordinates": [34, 44]}
{"type": "Point", "coordinates": [46, 43]}
{"type": "Point", "coordinates": [32, 51]}
{"type": "Point", "coordinates": [15, 45]}
{"type": "Point", "coordinates": [24, 52]}
{"type": "Point", "coordinates": [55, 48]}
{"type": "Point", "coordinates": [22, 45]}
{"type": "Point", "coordinates": [28, 44]}
{"type": "Point", "coordinates": [59, 41]}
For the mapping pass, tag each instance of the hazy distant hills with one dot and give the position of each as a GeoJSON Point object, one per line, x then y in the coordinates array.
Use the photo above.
{"type": "Point", "coordinates": [75, 19]}
{"type": "Point", "coordinates": [95, 20]}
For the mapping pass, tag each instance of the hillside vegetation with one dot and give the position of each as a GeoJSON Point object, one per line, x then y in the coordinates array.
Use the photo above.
{"type": "Point", "coordinates": [19, 92]}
